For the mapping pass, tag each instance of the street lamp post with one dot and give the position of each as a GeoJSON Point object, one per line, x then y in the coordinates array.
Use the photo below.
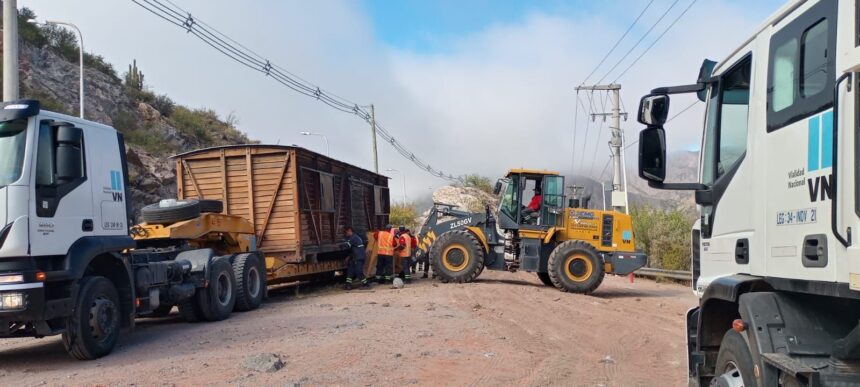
{"type": "Point", "coordinates": [327, 149]}
{"type": "Point", "coordinates": [403, 174]}
{"type": "Point", "coordinates": [80, 57]}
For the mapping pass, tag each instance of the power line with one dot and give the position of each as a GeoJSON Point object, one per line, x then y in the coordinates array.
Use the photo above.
{"type": "Point", "coordinates": [638, 41]}
{"type": "Point", "coordinates": [656, 40]}
{"type": "Point", "coordinates": [229, 47]}
{"type": "Point", "coordinates": [617, 42]}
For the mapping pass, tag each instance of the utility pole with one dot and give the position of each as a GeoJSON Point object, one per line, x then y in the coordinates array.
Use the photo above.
{"type": "Point", "coordinates": [10, 50]}
{"type": "Point", "coordinates": [373, 129]}
{"type": "Point", "coordinates": [616, 144]}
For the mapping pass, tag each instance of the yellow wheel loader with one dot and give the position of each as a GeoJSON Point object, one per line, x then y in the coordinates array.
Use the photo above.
{"type": "Point", "coordinates": [569, 246]}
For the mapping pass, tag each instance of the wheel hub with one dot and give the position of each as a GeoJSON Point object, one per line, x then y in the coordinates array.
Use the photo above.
{"type": "Point", "coordinates": [103, 316]}
{"type": "Point", "coordinates": [253, 282]}
{"type": "Point", "coordinates": [455, 257]}
{"type": "Point", "coordinates": [224, 289]}
{"type": "Point", "coordinates": [731, 377]}
{"type": "Point", "coordinates": [578, 268]}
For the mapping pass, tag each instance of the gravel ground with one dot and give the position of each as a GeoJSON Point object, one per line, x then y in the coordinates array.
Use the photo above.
{"type": "Point", "coordinates": [504, 329]}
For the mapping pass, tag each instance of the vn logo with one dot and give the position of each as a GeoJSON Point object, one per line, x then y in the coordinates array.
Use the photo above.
{"type": "Point", "coordinates": [116, 185]}
{"type": "Point", "coordinates": [820, 155]}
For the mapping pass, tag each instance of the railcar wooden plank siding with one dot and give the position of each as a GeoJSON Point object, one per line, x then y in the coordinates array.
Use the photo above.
{"type": "Point", "coordinates": [298, 200]}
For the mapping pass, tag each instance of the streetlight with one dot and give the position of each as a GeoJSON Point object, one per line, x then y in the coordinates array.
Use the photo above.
{"type": "Point", "coordinates": [327, 149]}
{"type": "Point", "coordinates": [80, 54]}
{"type": "Point", "coordinates": [404, 182]}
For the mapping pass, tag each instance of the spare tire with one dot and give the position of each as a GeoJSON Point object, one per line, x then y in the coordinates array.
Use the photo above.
{"type": "Point", "coordinates": [170, 211]}
{"type": "Point", "coordinates": [212, 206]}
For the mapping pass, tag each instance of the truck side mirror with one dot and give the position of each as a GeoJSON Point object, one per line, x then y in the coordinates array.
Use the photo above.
{"type": "Point", "coordinates": [69, 153]}
{"type": "Point", "coordinates": [497, 188]}
{"type": "Point", "coordinates": [653, 110]}
{"type": "Point", "coordinates": [652, 154]}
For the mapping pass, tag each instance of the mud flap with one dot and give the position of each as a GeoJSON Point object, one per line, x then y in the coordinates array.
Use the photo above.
{"type": "Point", "coordinates": [625, 263]}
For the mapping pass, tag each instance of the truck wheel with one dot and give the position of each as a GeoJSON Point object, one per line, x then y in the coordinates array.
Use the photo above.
{"type": "Point", "coordinates": [457, 256]}
{"type": "Point", "coordinates": [166, 212]}
{"type": "Point", "coordinates": [544, 277]}
{"type": "Point", "coordinates": [211, 206]}
{"type": "Point", "coordinates": [735, 365]}
{"type": "Point", "coordinates": [250, 281]}
{"type": "Point", "coordinates": [93, 328]}
{"type": "Point", "coordinates": [217, 300]}
{"type": "Point", "coordinates": [575, 267]}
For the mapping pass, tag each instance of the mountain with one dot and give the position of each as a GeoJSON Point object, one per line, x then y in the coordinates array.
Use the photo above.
{"type": "Point", "coordinates": [153, 125]}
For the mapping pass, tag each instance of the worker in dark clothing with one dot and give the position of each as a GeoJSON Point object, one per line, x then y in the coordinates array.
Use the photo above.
{"type": "Point", "coordinates": [357, 256]}
{"type": "Point", "coordinates": [387, 243]}
{"type": "Point", "coordinates": [413, 260]}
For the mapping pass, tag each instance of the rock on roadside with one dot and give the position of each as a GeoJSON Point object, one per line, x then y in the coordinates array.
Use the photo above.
{"type": "Point", "coordinates": [264, 362]}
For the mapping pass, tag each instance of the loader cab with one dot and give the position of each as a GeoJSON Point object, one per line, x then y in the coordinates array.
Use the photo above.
{"type": "Point", "coordinates": [518, 189]}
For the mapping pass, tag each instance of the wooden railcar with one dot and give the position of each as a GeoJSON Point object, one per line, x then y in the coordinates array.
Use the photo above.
{"type": "Point", "coordinates": [298, 200]}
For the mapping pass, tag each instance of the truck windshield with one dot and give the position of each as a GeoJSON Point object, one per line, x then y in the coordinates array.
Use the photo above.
{"type": "Point", "coordinates": [12, 139]}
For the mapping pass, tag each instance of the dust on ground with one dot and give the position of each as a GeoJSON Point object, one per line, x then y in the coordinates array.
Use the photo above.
{"type": "Point", "coordinates": [503, 329]}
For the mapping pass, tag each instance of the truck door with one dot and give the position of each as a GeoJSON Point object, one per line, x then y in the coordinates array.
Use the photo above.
{"type": "Point", "coordinates": [727, 218]}
{"type": "Point", "coordinates": [62, 206]}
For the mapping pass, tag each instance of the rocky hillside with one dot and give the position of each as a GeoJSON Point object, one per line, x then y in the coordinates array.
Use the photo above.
{"type": "Point", "coordinates": [154, 126]}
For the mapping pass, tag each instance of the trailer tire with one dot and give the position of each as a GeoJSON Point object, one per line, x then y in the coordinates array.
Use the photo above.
{"type": "Point", "coordinates": [250, 281]}
{"type": "Point", "coordinates": [182, 210]}
{"type": "Point", "coordinates": [734, 362]}
{"type": "Point", "coordinates": [217, 300]}
{"type": "Point", "coordinates": [544, 277]}
{"type": "Point", "coordinates": [211, 206]}
{"type": "Point", "coordinates": [575, 267]}
{"type": "Point", "coordinates": [190, 310]}
{"type": "Point", "coordinates": [457, 256]}
{"type": "Point", "coordinates": [93, 328]}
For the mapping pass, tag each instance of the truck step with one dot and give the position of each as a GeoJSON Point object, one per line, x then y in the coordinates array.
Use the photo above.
{"type": "Point", "coordinates": [787, 365]}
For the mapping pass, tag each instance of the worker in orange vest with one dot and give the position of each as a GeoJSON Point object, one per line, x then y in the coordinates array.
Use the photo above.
{"type": "Point", "coordinates": [387, 244]}
{"type": "Point", "coordinates": [404, 254]}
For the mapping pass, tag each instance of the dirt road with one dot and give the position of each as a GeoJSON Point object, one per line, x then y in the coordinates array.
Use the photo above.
{"type": "Point", "coordinates": [505, 329]}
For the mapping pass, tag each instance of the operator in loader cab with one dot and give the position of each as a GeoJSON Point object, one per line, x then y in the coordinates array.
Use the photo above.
{"type": "Point", "coordinates": [532, 211]}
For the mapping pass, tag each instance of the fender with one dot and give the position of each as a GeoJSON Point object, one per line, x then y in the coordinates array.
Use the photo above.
{"type": "Point", "coordinates": [200, 260]}
{"type": "Point", "coordinates": [84, 250]}
{"type": "Point", "coordinates": [729, 288]}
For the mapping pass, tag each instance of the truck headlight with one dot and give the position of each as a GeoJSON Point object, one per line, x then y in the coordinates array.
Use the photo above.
{"type": "Point", "coordinates": [11, 301]}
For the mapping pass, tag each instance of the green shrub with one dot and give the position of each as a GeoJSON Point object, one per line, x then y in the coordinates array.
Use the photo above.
{"type": "Point", "coordinates": [124, 121]}
{"type": "Point", "coordinates": [149, 140]}
{"type": "Point", "coordinates": [479, 182]}
{"type": "Point", "coordinates": [164, 105]}
{"type": "Point", "coordinates": [664, 235]}
{"type": "Point", "coordinates": [193, 122]}
{"type": "Point", "coordinates": [405, 214]}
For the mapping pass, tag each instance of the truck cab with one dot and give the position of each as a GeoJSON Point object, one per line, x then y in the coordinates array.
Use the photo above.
{"type": "Point", "coordinates": [774, 261]}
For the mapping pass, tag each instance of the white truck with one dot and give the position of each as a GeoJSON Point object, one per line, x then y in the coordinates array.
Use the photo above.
{"type": "Point", "coordinates": [775, 255]}
{"type": "Point", "coordinates": [71, 263]}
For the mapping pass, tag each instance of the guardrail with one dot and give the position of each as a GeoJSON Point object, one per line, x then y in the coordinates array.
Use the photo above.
{"type": "Point", "coordinates": [680, 275]}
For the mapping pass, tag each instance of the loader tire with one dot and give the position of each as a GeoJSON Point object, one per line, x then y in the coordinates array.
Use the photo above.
{"type": "Point", "coordinates": [575, 267]}
{"type": "Point", "coordinates": [93, 328]}
{"type": "Point", "coordinates": [457, 256]}
{"type": "Point", "coordinates": [544, 277]}
{"type": "Point", "coordinates": [217, 300]}
{"type": "Point", "coordinates": [250, 281]}
{"type": "Point", "coordinates": [182, 210]}
{"type": "Point", "coordinates": [211, 206]}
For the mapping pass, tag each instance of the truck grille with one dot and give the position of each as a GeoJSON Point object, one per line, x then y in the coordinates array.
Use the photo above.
{"type": "Point", "coordinates": [606, 230]}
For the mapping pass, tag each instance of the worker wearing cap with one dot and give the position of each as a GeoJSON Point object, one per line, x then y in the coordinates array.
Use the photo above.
{"type": "Point", "coordinates": [355, 268]}
{"type": "Point", "coordinates": [404, 254]}
{"type": "Point", "coordinates": [386, 244]}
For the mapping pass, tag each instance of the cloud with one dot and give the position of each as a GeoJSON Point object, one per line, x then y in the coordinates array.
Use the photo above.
{"type": "Point", "coordinates": [497, 98]}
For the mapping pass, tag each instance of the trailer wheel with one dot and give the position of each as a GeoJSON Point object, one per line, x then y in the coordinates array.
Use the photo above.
{"type": "Point", "coordinates": [166, 212]}
{"type": "Point", "coordinates": [544, 277]}
{"type": "Point", "coordinates": [217, 300]}
{"type": "Point", "coordinates": [211, 206]}
{"type": "Point", "coordinates": [575, 267]}
{"type": "Point", "coordinates": [457, 256]}
{"type": "Point", "coordinates": [735, 365]}
{"type": "Point", "coordinates": [93, 328]}
{"type": "Point", "coordinates": [250, 281]}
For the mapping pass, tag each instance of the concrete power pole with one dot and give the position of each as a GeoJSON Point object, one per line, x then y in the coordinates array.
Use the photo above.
{"type": "Point", "coordinates": [373, 129]}
{"type": "Point", "coordinates": [10, 50]}
{"type": "Point", "coordinates": [616, 144]}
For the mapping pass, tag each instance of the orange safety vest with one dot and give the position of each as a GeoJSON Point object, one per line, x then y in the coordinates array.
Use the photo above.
{"type": "Point", "coordinates": [406, 251]}
{"type": "Point", "coordinates": [384, 241]}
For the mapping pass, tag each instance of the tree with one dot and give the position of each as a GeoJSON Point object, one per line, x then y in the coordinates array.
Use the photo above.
{"type": "Point", "coordinates": [664, 235]}
{"type": "Point", "coordinates": [477, 181]}
{"type": "Point", "coordinates": [405, 214]}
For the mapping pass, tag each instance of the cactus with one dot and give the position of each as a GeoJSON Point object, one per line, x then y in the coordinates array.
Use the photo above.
{"type": "Point", "coordinates": [134, 77]}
